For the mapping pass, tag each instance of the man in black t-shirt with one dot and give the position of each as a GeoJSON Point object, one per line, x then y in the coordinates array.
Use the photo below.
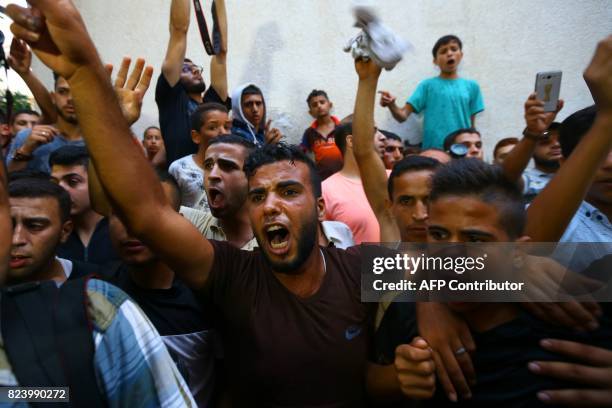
{"type": "Point", "coordinates": [471, 201]}
{"type": "Point", "coordinates": [171, 306]}
{"type": "Point", "coordinates": [180, 87]}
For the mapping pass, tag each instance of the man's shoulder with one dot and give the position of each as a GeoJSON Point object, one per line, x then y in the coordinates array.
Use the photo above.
{"type": "Point", "coordinates": [165, 93]}
{"type": "Point", "coordinates": [471, 83]}
{"type": "Point", "coordinates": [183, 162]}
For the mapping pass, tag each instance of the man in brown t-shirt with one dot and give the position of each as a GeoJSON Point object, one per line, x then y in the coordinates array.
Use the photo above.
{"type": "Point", "coordinates": [291, 312]}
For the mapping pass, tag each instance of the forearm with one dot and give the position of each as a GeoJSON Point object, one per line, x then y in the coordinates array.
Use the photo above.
{"type": "Point", "coordinates": [42, 97]}
{"type": "Point", "coordinates": [177, 45]}
{"type": "Point", "coordinates": [97, 196]}
{"type": "Point", "coordinates": [367, 159]}
{"type": "Point", "coordinates": [517, 160]}
{"type": "Point", "coordinates": [218, 63]}
{"type": "Point", "coordinates": [400, 114]}
{"type": "Point", "coordinates": [553, 209]}
{"type": "Point", "coordinates": [117, 160]}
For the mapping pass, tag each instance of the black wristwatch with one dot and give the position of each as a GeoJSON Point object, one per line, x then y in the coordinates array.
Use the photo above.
{"type": "Point", "coordinates": [535, 136]}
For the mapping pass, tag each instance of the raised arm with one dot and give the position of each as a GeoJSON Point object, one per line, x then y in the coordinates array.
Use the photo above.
{"type": "Point", "coordinates": [553, 209]}
{"type": "Point", "coordinates": [177, 45]}
{"type": "Point", "coordinates": [389, 101]}
{"type": "Point", "coordinates": [127, 177]}
{"type": "Point", "coordinates": [371, 166]}
{"type": "Point", "coordinates": [218, 63]}
{"type": "Point", "coordinates": [537, 121]}
{"type": "Point", "coordinates": [20, 60]}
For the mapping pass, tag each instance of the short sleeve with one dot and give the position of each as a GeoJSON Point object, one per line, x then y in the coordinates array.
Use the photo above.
{"type": "Point", "coordinates": [476, 101]}
{"type": "Point", "coordinates": [211, 96]}
{"type": "Point", "coordinates": [164, 93]}
{"type": "Point", "coordinates": [230, 266]}
{"type": "Point", "coordinates": [418, 98]}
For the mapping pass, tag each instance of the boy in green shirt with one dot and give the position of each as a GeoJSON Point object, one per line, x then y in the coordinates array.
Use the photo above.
{"type": "Point", "coordinates": [448, 102]}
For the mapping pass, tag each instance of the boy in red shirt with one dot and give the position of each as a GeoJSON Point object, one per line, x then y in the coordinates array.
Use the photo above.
{"type": "Point", "coordinates": [319, 137]}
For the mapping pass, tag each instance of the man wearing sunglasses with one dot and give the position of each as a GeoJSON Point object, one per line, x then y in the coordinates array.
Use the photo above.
{"type": "Point", "coordinates": [181, 87]}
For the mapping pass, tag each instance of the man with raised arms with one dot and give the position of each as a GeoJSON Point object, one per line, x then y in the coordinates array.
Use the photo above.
{"type": "Point", "coordinates": [290, 314]}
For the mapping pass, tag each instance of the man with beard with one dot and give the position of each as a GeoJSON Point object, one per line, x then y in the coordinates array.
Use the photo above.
{"type": "Point", "coordinates": [226, 189]}
{"type": "Point", "coordinates": [547, 159]}
{"type": "Point", "coordinates": [541, 142]}
{"type": "Point", "coordinates": [293, 325]}
{"type": "Point", "coordinates": [31, 148]}
{"type": "Point", "coordinates": [129, 364]}
{"type": "Point", "coordinates": [180, 86]}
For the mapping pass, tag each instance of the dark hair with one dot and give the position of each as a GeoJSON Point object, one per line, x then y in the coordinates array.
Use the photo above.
{"type": "Point", "coordinates": [41, 188]}
{"type": "Point", "coordinates": [445, 40]}
{"type": "Point", "coordinates": [434, 149]}
{"type": "Point", "coordinates": [340, 134]}
{"type": "Point", "coordinates": [272, 153]}
{"type": "Point", "coordinates": [554, 126]}
{"type": "Point", "coordinates": [23, 112]}
{"type": "Point", "coordinates": [197, 117]}
{"type": "Point", "coordinates": [314, 94]}
{"type": "Point", "coordinates": [574, 127]}
{"type": "Point", "coordinates": [27, 173]}
{"type": "Point", "coordinates": [410, 163]}
{"type": "Point", "coordinates": [235, 140]}
{"type": "Point", "coordinates": [503, 143]}
{"type": "Point", "coordinates": [3, 118]}
{"type": "Point", "coordinates": [69, 155]}
{"type": "Point", "coordinates": [450, 139]}
{"type": "Point", "coordinates": [166, 178]}
{"type": "Point", "coordinates": [56, 78]}
{"type": "Point", "coordinates": [391, 135]}
{"type": "Point", "coordinates": [469, 176]}
{"type": "Point", "coordinates": [149, 128]}
{"type": "Point", "coordinates": [251, 90]}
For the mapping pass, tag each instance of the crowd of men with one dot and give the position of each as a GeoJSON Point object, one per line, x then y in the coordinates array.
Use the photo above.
{"type": "Point", "coordinates": [212, 264]}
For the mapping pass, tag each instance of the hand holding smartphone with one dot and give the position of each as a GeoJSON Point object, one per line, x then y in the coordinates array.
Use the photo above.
{"type": "Point", "coordinates": [547, 89]}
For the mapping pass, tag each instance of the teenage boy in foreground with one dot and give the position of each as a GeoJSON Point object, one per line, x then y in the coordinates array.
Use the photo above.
{"type": "Point", "coordinates": [596, 75]}
{"type": "Point", "coordinates": [261, 295]}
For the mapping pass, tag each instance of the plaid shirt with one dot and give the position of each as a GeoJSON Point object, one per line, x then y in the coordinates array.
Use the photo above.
{"type": "Point", "coordinates": [131, 362]}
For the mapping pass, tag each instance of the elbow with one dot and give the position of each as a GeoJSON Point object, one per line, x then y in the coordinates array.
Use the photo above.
{"type": "Point", "coordinates": [179, 28]}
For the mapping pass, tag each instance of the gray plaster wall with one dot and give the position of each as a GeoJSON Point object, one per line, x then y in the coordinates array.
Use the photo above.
{"type": "Point", "coordinates": [290, 47]}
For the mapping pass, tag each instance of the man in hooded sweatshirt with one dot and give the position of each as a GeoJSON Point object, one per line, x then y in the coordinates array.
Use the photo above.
{"type": "Point", "coordinates": [249, 112]}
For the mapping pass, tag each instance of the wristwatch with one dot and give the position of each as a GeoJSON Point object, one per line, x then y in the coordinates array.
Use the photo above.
{"type": "Point", "coordinates": [535, 136]}
{"type": "Point", "coordinates": [19, 156]}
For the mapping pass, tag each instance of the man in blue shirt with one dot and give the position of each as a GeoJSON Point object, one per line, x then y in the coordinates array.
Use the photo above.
{"type": "Point", "coordinates": [31, 148]}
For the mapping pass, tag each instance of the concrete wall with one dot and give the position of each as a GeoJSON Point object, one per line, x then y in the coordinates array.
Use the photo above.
{"type": "Point", "coordinates": [290, 47]}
